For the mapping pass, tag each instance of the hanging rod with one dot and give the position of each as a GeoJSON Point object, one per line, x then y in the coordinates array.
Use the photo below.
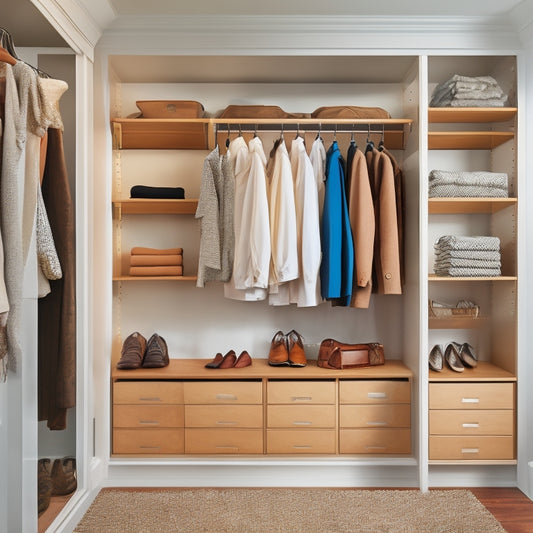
{"type": "Point", "coordinates": [310, 127]}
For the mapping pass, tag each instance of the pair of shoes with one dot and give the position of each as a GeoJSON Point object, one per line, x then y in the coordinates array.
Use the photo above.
{"type": "Point", "coordinates": [460, 355]}
{"type": "Point", "coordinates": [137, 352]}
{"type": "Point", "coordinates": [287, 350]}
{"type": "Point", "coordinates": [230, 360]}
{"type": "Point", "coordinates": [58, 479]}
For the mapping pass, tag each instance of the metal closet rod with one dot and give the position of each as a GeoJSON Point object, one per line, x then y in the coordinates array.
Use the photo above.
{"type": "Point", "coordinates": [314, 128]}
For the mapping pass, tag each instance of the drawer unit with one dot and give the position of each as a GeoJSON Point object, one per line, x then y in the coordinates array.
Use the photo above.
{"type": "Point", "coordinates": [223, 416]}
{"type": "Point", "coordinates": [375, 441]}
{"type": "Point", "coordinates": [301, 441]}
{"type": "Point", "coordinates": [472, 421]}
{"type": "Point", "coordinates": [223, 441]}
{"type": "Point", "coordinates": [147, 392]}
{"type": "Point", "coordinates": [223, 392]}
{"type": "Point", "coordinates": [301, 392]}
{"type": "Point", "coordinates": [374, 416]}
{"type": "Point", "coordinates": [148, 441]}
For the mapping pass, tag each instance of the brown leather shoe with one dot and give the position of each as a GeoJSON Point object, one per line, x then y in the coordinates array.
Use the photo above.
{"type": "Point", "coordinates": [215, 363]}
{"type": "Point", "coordinates": [278, 354]}
{"type": "Point", "coordinates": [133, 350]}
{"type": "Point", "coordinates": [228, 360]}
{"type": "Point", "coordinates": [296, 349]}
{"type": "Point", "coordinates": [243, 360]}
{"type": "Point", "coordinates": [44, 485]}
{"type": "Point", "coordinates": [64, 476]}
{"type": "Point", "coordinates": [156, 352]}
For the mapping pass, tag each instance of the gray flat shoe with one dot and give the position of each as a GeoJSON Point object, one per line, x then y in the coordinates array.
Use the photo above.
{"type": "Point", "coordinates": [452, 358]}
{"type": "Point", "coordinates": [436, 358]}
{"type": "Point", "coordinates": [468, 355]}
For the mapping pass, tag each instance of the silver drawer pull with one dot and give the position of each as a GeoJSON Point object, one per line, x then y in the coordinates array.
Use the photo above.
{"type": "Point", "coordinates": [470, 400]}
{"type": "Point", "coordinates": [469, 450]}
{"type": "Point", "coordinates": [226, 423]}
{"type": "Point", "coordinates": [377, 395]}
{"type": "Point", "coordinates": [377, 423]}
{"type": "Point", "coordinates": [149, 447]}
{"type": "Point", "coordinates": [376, 447]}
{"type": "Point", "coordinates": [471, 425]}
{"type": "Point", "coordinates": [150, 399]}
{"type": "Point", "coordinates": [302, 446]}
{"type": "Point", "coordinates": [149, 422]}
{"type": "Point", "coordinates": [227, 447]}
{"type": "Point", "coordinates": [222, 396]}
{"type": "Point", "coordinates": [302, 423]}
{"type": "Point", "coordinates": [302, 398]}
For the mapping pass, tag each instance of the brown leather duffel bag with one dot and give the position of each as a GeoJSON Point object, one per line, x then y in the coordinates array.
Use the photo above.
{"type": "Point", "coordinates": [338, 355]}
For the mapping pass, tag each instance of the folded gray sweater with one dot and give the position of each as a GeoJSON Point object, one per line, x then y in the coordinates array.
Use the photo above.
{"type": "Point", "coordinates": [452, 183]}
{"type": "Point", "coordinates": [456, 242]}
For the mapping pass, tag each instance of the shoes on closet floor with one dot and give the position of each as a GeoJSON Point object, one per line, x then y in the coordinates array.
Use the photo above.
{"type": "Point", "coordinates": [436, 358]}
{"type": "Point", "coordinates": [44, 485]}
{"type": "Point", "coordinates": [64, 478]}
{"type": "Point", "coordinates": [156, 355]}
{"type": "Point", "coordinates": [133, 350]}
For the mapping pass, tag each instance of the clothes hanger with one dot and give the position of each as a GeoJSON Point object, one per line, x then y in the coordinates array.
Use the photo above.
{"type": "Point", "coordinates": [318, 136]}
{"type": "Point", "coordinates": [6, 57]}
{"type": "Point", "coordinates": [8, 54]}
{"type": "Point", "coordinates": [382, 142]}
{"type": "Point", "coordinates": [369, 142]}
{"type": "Point", "coordinates": [352, 137]}
{"type": "Point", "coordinates": [227, 140]}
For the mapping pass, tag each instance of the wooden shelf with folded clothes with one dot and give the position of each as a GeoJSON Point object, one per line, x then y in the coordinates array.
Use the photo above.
{"type": "Point", "coordinates": [151, 206]}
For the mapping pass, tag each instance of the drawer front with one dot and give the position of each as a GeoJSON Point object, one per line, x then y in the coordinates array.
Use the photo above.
{"type": "Point", "coordinates": [222, 416]}
{"type": "Point", "coordinates": [471, 396]}
{"type": "Point", "coordinates": [375, 441]}
{"type": "Point", "coordinates": [473, 422]}
{"type": "Point", "coordinates": [148, 441]}
{"type": "Point", "coordinates": [296, 441]}
{"type": "Point", "coordinates": [147, 392]}
{"type": "Point", "coordinates": [301, 392]}
{"type": "Point", "coordinates": [147, 416]}
{"type": "Point", "coordinates": [301, 416]}
{"type": "Point", "coordinates": [374, 391]}
{"type": "Point", "coordinates": [223, 392]}
{"type": "Point", "coordinates": [497, 447]}
{"type": "Point", "coordinates": [375, 416]}
{"type": "Point", "coordinates": [224, 441]}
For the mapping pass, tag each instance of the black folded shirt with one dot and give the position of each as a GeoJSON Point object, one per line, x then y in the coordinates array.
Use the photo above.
{"type": "Point", "coordinates": [144, 191]}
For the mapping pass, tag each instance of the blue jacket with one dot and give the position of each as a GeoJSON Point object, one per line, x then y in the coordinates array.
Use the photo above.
{"type": "Point", "coordinates": [336, 270]}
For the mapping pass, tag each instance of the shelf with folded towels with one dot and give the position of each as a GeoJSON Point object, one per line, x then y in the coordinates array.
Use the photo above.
{"type": "Point", "coordinates": [149, 206]}
{"type": "Point", "coordinates": [434, 277]}
{"type": "Point", "coordinates": [154, 278]}
{"type": "Point", "coordinates": [442, 206]}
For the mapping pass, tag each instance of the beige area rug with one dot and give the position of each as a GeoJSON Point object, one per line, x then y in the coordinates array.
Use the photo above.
{"type": "Point", "coordinates": [266, 510]}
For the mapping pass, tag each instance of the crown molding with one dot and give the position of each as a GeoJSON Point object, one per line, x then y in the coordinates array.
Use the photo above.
{"type": "Point", "coordinates": [522, 19]}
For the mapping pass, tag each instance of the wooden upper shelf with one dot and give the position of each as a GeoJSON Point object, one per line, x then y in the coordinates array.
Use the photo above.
{"type": "Point", "coordinates": [148, 206]}
{"type": "Point", "coordinates": [199, 134]}
{"type": "Point", "coordinates": [470, 114]}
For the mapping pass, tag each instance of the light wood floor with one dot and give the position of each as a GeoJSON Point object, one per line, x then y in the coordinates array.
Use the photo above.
{"type": "Point", "coordinates": [510, 506]}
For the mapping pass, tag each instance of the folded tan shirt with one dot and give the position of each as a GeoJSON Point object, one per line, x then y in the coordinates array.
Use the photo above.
{"type": "Point", "coordinates": [156, 271]}
{"type": "Point", "coordinates": [156, 260]}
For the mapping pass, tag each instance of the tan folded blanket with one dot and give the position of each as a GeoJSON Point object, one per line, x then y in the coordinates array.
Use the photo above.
{"type": "Point", "coordinates": [139, 250]}
{"type": "Point", "coordinates": [156, 260]}
{"type": "Point", "coordinates": [156, 271]}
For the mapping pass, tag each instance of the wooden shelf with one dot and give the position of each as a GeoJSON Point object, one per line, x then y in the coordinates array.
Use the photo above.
{"type": "Point", "coordinates": [467, 140]}
{"type": "Point", "coordinates": [470, 114]}
{"type": "Point", "coordinates": [199, 134]}
{"type": "Point", "coordinates": [147, 206]}
{"type": "Point", "coordinates": [434, 277]}
{"type": "Point", "coordinates": [468, 205]}
{"type": "Point", "coordinates": [483, 372]}
{"type": "Point", "coordinates": [462, 322]}
{"type": "Point", "coordinates": [154, 278]}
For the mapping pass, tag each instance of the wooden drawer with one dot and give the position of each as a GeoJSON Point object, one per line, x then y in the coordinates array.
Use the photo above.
{"type": "Point", "coordinates": [472, 422]}
{"type": "Point", "coordinates": [147, 416]}
{"type": "Point", "coordinates": [374, 391]}
{"type": "Point", "coordinates": [479, 447]}
{"type": "Point", "coordinates": [148, 441]}
{"type": "Point", "coordinates": [471, 396]}
{"type": "Point", "coordinates": [375, 441]}
{"type": "Point", "coordinates": [301, 416]}
{"type": "Point", "coordinates": [223, 392]}
{"type": "Point", "coordinates": [224, 441]}
{"type": "Point", "coordinates": [147, 392]}
{"type": "Point", "coordinates": [220, 416]}
{"type": "Point", "coordinates": [375, 416]}
{"type": "Point", "coordinates": [296, 441]}
{"type": "Point", "coordinates": [301, 392]}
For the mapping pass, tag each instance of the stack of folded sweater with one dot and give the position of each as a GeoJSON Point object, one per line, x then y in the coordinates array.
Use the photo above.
{"type": "Point", "coordinates": [155, 262]}
{"type": "Point", "coordinates": [465, 91]}
{"type": "Point", "coordinates": [456, 183]}
{"type": "Point", "coordinates": [467, 256]}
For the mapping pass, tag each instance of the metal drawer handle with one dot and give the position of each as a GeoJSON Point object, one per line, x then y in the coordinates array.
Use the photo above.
{"type": "Point", "coordinates": [471, 425]}
{"type": "Point", "coordinates": [470, 400]}
{"type": "Point", "coordinates": [377, 395]}
{"type": "Point", "coordinates": [226, 396]}
{"type": "Point", "coordinates": [470, 450]}
{"type": "Point", "coordinates": [150, 447]}
{"type": "Point", "coordinates": [302, 423]}
{"type": "Point", "coordinates": [156, 399]}
{"type": "Point", "coordinates": [226, 422]}
{"type": "Point", "coordinates": [149, 422]}
{"type": "Point", "coordinates": [302, 446]}
{"type": "Point", "coordinates": [377, 423]}
{"type": "Point", "coordinates": [227, 447]}
{"type": "Point", "coordinates": [302, 398]}
{"type": "Point", "coordinates": [376, 447]}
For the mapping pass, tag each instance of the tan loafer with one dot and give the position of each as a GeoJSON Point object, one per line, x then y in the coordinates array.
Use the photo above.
{"type": "Point", "coordinates": [278, 354]}
{"type": "Point", "coordinates": [296, 349]}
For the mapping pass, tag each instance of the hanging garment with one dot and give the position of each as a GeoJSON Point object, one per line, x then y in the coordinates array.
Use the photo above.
{"type": "Point", "coordinates": [305, 291]}
{"type": "Point", "coordinates": [283, 236]}
{"type": "Point", "coordinates": [362, 222]}
{"type": "Point", "coordinates": [57, 311]}
{"type": "Point", "coordinates": [318, 162]}
{"type": "Point", "coordinates": [215, 209]}
{"type": "Point", "coordinates": [336, 270]}
{"type": "Point", "coordinates": [386, 250]}
{"type": "Point", "coordinates": [248, 221]}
